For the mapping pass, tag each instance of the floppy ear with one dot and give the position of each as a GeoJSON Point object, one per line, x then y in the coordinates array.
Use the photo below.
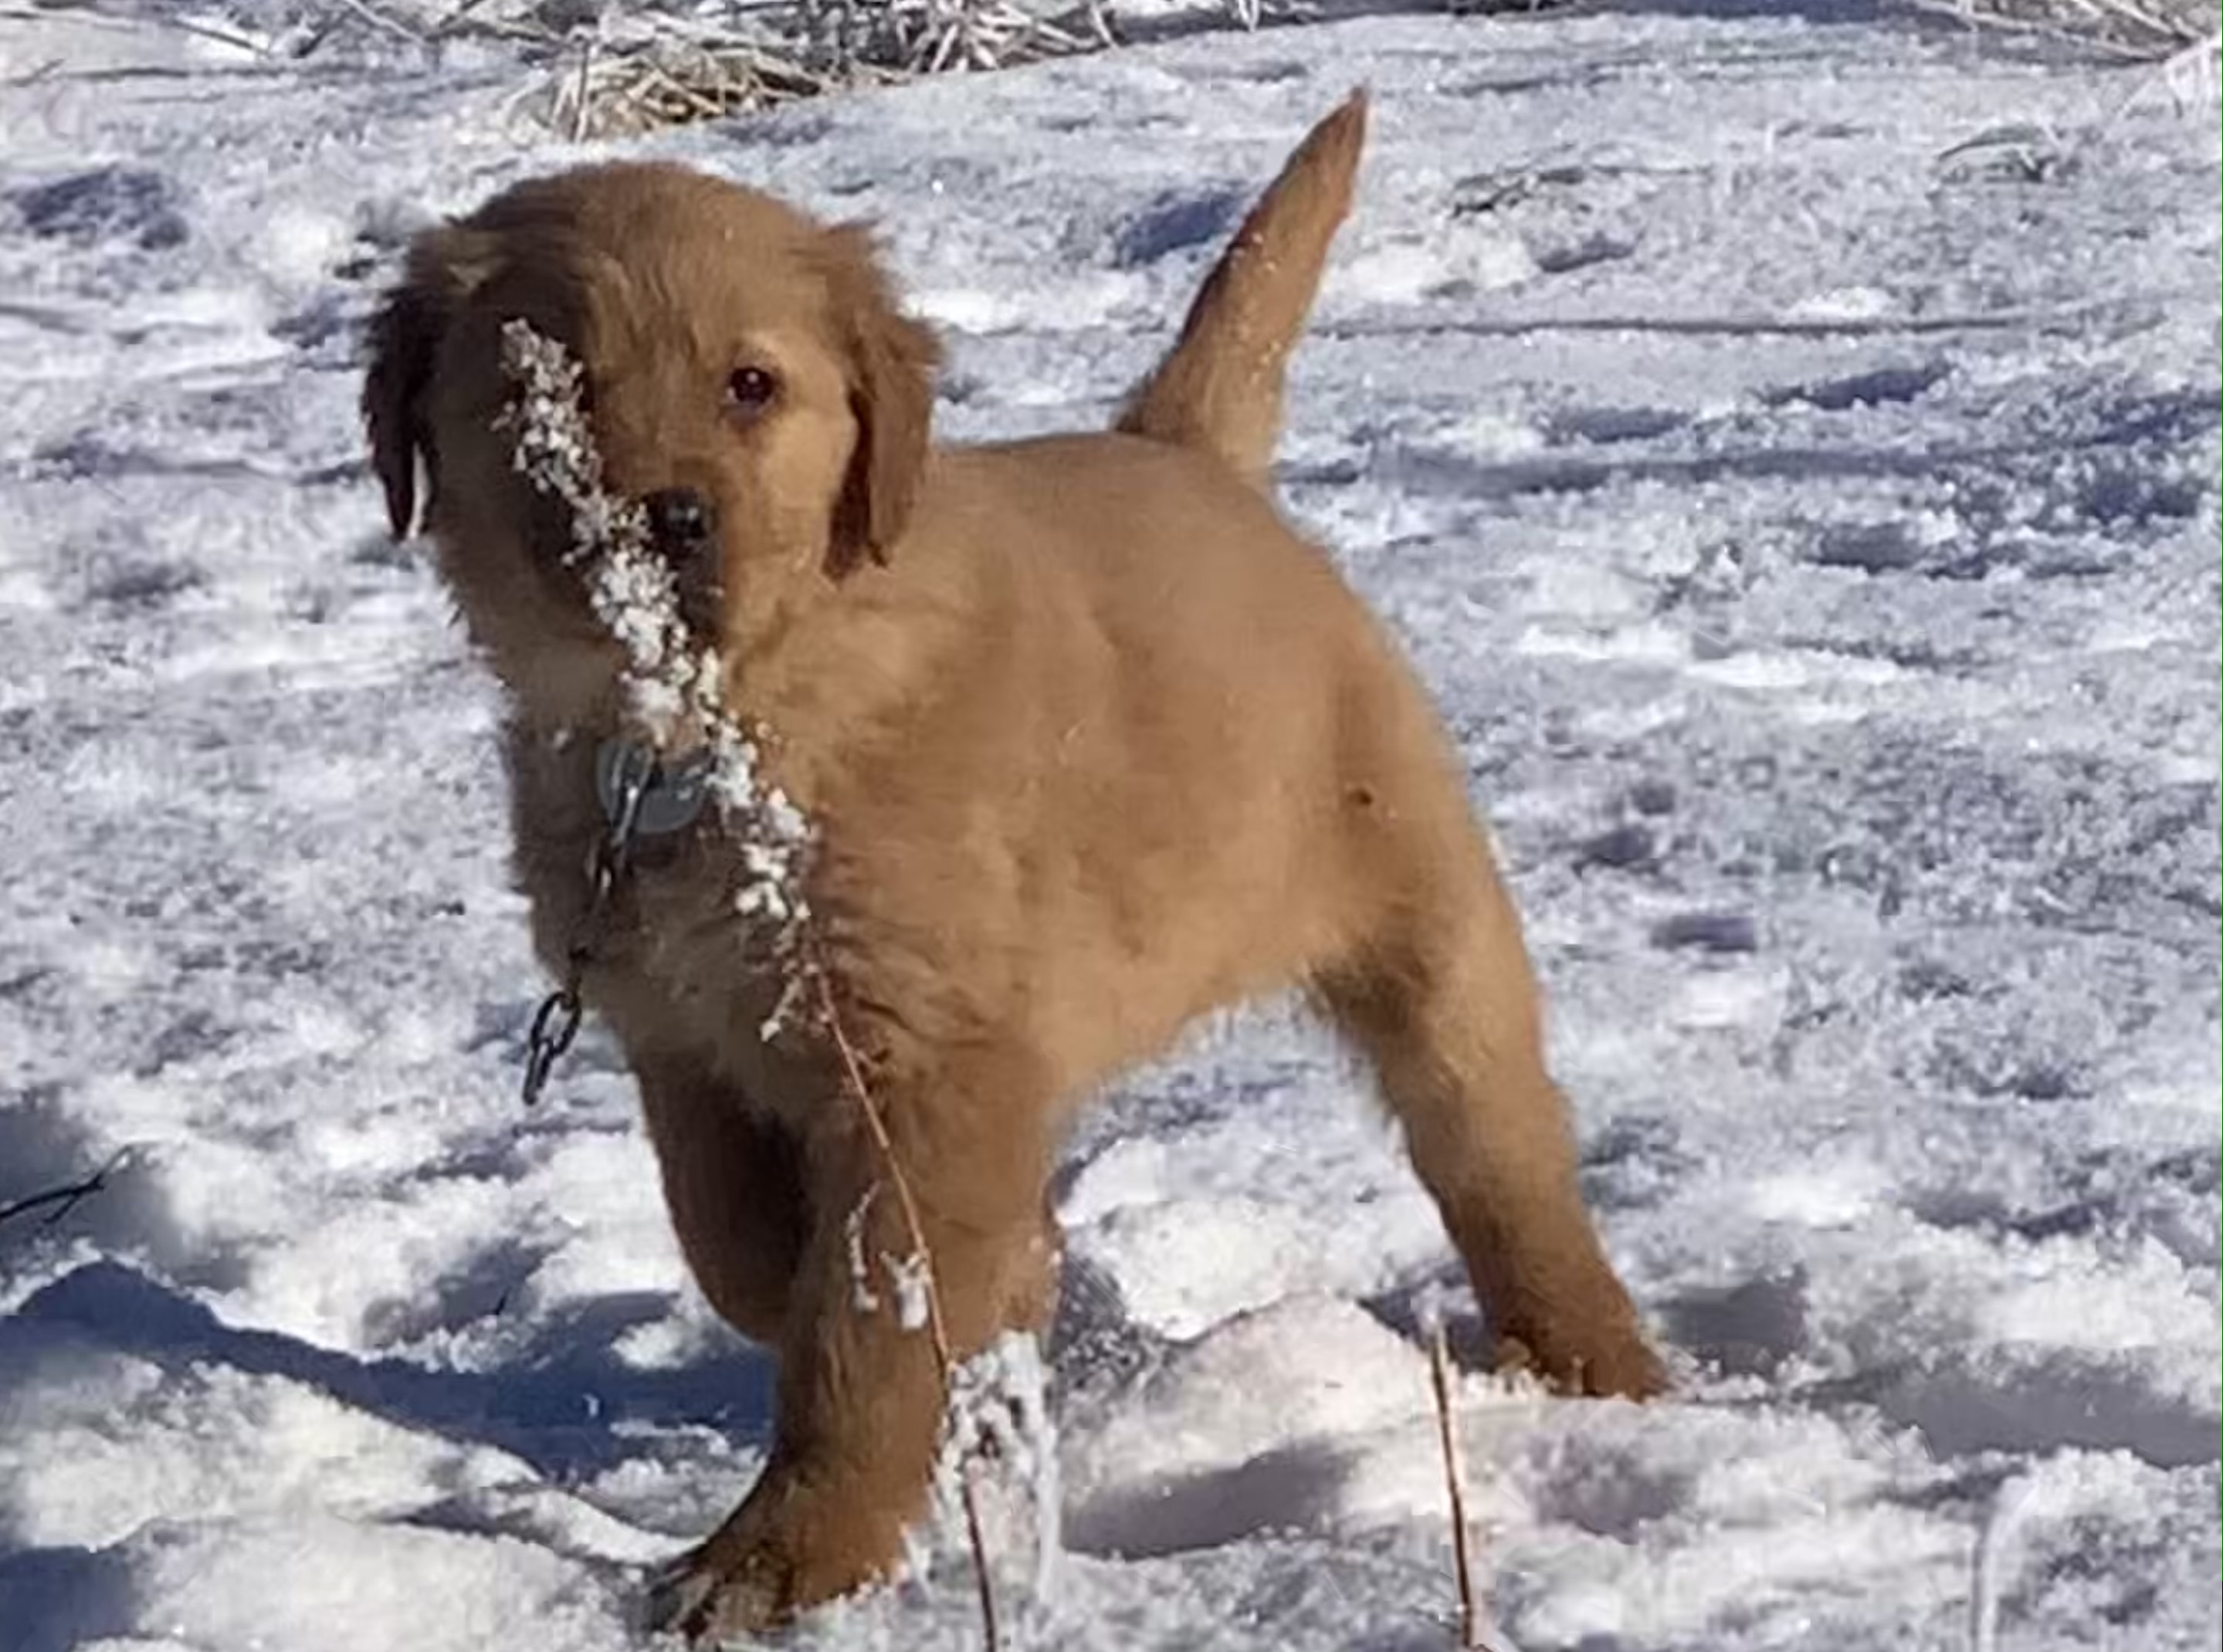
{"type": "Point", "coordinates": [891, 360]}
{"type": "Point", "coordinates": [405, 341]}
{"type": "Point", "coordinates": [403, 336]}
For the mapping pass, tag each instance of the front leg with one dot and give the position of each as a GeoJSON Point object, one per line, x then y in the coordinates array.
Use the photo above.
{"type": "Point", "coordinates": [733, 1184]}
{"type": "Point", "coordinates": [862, 1396]}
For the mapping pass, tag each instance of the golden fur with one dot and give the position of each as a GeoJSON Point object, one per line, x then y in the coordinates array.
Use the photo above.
{"type": "Point", "coordinates": [1095, 744]}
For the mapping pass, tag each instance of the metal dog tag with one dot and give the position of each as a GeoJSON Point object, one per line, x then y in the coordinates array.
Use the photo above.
{"type": "Point", "coordinates": [665, 797]}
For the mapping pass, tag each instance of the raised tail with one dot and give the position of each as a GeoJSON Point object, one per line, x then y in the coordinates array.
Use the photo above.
{"type": "Point", "coordinates": [1220, 388]}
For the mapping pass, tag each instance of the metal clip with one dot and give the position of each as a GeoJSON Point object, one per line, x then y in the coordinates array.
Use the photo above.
{"type": "Point", "coordinates": [555, 1024]}
{"type": "Point", "coordinates": [638, 795]}
{"type": "Point", "coordinates": [669, 795]}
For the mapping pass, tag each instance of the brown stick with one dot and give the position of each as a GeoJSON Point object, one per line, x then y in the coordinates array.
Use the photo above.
{"type": "Point", "coordinates": [1439, 1379]}
{"type": "Point", "coordinates": [937, 1329]}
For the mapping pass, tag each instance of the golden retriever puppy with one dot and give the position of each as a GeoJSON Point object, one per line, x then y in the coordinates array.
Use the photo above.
{"type": "Point", "coordinates": [1092, 743]}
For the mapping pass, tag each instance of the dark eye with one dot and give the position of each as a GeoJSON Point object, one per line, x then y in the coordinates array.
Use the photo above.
{"type": "Point", "coordinates": [750, 390]}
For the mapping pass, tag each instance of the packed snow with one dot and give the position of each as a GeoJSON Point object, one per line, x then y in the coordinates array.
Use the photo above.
{"type": "Point", "coordinates": [1787, 439]}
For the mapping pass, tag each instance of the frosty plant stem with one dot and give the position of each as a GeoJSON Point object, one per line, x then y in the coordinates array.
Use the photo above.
{"type": "Point", "coordinates": [937, 1329]}
{"type": "Point", "coordinates": [673, 698]}
{"type": "Point", "coordinates": [1475, 1632]}
{"type": "Point", "coordinates": [1439, 1382]}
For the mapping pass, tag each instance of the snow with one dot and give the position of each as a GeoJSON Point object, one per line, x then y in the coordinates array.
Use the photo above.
{"type": "Point", "coordinates": [1788, 444]}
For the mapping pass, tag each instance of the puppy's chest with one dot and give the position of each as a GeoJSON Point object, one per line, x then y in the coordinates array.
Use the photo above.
{"type": "Point", "coordinates": [674, 927]}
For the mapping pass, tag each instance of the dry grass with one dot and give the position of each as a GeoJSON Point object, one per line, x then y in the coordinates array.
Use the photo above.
{"type": "Point", "coordinates": [1439, 1384]}
{"type": "Point", "coordinates": [608, 88]}
{"type": "Point", "coordinates": [615, 70]}
{"type": "Point", "coordinates": [643, 68]}
{"type": "Point", "coordinates": [640, 71]}
{"type": "Point", "coordinates": [945, 1355]}
{"type": "Point", "coordinates": [2142, 29]}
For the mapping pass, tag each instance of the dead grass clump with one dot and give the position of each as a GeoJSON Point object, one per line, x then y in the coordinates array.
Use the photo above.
{"type": "Point", "coordinates": [638, 71]}
{"type": "Point", "coordinates": [2145, 30]}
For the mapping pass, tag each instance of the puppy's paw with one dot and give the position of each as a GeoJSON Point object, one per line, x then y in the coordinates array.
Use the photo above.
{"type": "Point", "coordinates": [1596, 1361]}
{"type": "Point", "coordinates": [712, 1597]}
{"type": "Point", "coordinates": [682, 1596]}
{"type": "Point", "coordinates": [785, 1550]}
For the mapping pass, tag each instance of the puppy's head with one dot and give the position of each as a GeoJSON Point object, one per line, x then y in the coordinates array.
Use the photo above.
{"type": "Point", "coordinates": [749, 380]}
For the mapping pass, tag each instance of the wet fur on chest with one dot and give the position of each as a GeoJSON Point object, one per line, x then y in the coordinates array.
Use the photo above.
{"type": "Point", "coordinates": [673, 965]}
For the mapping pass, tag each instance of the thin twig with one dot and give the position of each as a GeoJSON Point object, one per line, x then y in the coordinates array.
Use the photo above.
{"type": "Point", "coordinates": [646, 70]}
{"type": "Point", "coordinates": [1439, 1379]}
{"type": "Point", "coordinates": [312, 42]}
{"type": "Point", "coordinates": [378, 19]}
{"type": "Point", "coordinates": [2164, 28]}
{"type": "Point", "coordinates": [2189, 77]}
{"type": "Point", "coordinates": [64, 1199]}
{"type": "Point", "coordinates": [632, 592]}
{"type": "Point", "coordinates": [581, 114]}
{"type": "Point", "coordinates": [221, 37]}
{"type": "Point", "coordinates": [89, 20]}
{"type": "Point", "coordinates": [937, 1327]}
{"type": "Point", "coordinates": [454, 20]}
{"type": "Point", "coordinates": [2123, 31]}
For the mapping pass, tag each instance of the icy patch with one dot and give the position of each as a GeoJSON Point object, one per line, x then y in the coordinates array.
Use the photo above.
{"type": "Point", "coordinates": [1185, 1265]}
{"type": "Point", "coordinates": [1648, 642]}
{"type": "Point", "coordinates": [98, 1444]}
{"type": "Point", "coordinates": [1407, 271]}
{"type": "Point", "coordinates": [299, 246]}
{"type": "Point", "coordinates": [1252, 1386]}
{"type": "Point", "coordinates": [1839, 1196]}
{"type": "Point", "coordinates": [306, 1583]}
{"type": "Point", "coordinates": [1846, 304]}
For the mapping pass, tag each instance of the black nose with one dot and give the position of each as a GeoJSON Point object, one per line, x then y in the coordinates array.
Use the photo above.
{"type": "Point", "coordinates": [680, 518]}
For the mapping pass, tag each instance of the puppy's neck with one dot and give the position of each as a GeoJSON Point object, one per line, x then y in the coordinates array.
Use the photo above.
{"type": "Point", "coordinates": [816, 667]}
{"type": "Point", "coordinates": [577, 687]}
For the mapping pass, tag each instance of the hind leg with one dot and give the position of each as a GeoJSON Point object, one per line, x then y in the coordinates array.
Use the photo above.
{"type": "Point", "coordinates": [733, 1185]}
{"type": "Point", "coordinates": [1443, 1001]}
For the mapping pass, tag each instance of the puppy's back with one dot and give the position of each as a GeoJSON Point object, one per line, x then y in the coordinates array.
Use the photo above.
{"type": "Point", "coordinates": [1158, 542]}
{"type": "Point", "coordinates": [1143, 733]}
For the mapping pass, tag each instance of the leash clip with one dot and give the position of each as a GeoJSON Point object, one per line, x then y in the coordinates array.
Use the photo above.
{"type": "Point", "coordinates": [640, 797]}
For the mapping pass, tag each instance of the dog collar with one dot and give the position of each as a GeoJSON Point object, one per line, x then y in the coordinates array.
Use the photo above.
{"type": "Point", "coordinates": [662, 797]}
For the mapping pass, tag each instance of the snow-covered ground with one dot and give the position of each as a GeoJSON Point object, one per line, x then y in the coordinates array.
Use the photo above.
{"type": "Point", "coordinates": [1790, 445]}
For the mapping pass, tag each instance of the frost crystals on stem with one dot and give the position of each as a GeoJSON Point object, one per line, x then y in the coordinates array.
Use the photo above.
{"type": "Point", "coordinates": [673, 697]}
{"type": "Point", "coordinates": [673, 690]}
{"type": "Point", "coordinates": [862, 1297]}
{"type": "Point", "coordinates": [999, 1413]}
